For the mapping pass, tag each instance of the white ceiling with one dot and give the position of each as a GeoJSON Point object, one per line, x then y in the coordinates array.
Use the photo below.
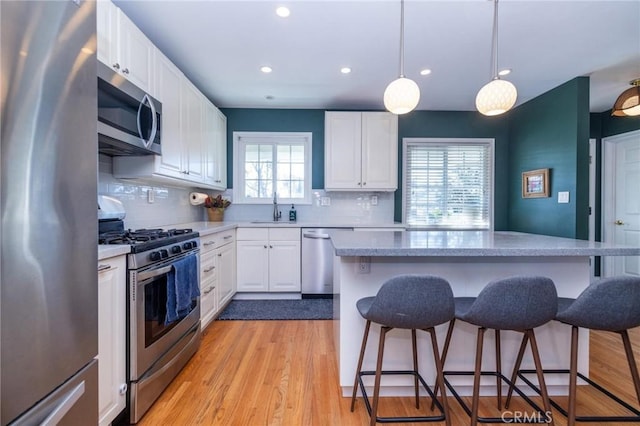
{"type": "Point", "coordinates": [221, 45]}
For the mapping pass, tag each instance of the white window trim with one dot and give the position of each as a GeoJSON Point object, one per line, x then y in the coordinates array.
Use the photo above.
{"type": "Point", "coordinates": [467, 141]}
{"type": "Point", "coordinates": [238, 166]}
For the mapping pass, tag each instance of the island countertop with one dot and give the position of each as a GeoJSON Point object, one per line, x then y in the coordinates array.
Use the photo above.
{"type": "Point", "coordinates": [468, 243]}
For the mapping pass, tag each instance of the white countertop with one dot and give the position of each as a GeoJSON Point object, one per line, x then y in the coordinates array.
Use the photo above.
{"type": "Point", "coordinates": [206, 228]}
{"type": "Point", "coordinates": [467, 243]}
{"type": "Point", "coordinates": [107, 251]}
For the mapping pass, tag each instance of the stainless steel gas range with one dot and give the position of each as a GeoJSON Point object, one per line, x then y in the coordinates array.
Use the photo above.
{"type": "Point", "coordinates": [163, 307]}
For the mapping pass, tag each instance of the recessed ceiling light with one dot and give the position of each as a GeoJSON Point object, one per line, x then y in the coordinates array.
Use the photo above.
{"type": "Point", "coordinates": [425, 71]}
{"type": "Point", "coordinates": [266, 69]}
{"type": "Point", "coordinates": [504, 72]}
{"type": "Point", "coordinates": [283, 12]}
{"type": "Point", "coordinates": [345, 70]}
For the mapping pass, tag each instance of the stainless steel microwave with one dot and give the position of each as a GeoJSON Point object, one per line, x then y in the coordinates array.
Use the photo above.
{"type": "Point", "coordinates": [129, 119]}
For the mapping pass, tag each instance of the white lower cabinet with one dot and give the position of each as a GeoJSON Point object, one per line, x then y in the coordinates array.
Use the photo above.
{"type": "Point", "coordinates": [217, 274]}
{"type": "Point", "coordinates": [268, 259]}
{"type": "Point", "coordinates": [112, 301]}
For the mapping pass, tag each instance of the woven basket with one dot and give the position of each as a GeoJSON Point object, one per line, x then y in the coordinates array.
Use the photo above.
{"type": "Point", "coordinates": [215, 214]}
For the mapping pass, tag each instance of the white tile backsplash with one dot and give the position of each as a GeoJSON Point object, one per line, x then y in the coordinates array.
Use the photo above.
{"type": "Point", "coordinates": [344, 207]}
{"type": "Point", "coordinates": [171, 204]}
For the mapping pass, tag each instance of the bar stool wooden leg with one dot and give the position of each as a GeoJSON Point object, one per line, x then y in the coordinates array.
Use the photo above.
{"type": "Point", "coordinates": [498, 370]}
{"type": "Point", "coordinates": [476, 377]}
{"type": "Point", "coordinates": [359, 367]}
{"type": "Point", "coordinates": [415, 366]}
{"type": "Point", "coordinates": [633, 368]}
{"type": "Point", "coordinates": [516, 367]}
{"type": "Point", "coordinates": [445, 349]}
{"type": "Point", "coordinates": [376, 386]}
{"type": "Point", "coordinates": [440, 375]}
{"type": "Point", "coordinates": [540, 373]}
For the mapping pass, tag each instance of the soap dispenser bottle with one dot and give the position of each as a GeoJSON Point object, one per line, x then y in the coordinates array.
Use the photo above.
{"type": "Point", "coordinates": [292, 214]}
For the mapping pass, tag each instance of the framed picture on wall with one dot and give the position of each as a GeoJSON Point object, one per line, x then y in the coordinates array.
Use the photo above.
{"type": "Point", "coordinates": [535, 183]}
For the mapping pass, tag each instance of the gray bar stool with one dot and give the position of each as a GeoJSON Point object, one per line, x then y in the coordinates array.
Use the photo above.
{"type": "Point", "coordinates": [518, 304]}
{"type": "Point", "coordinates": [414, 302]}
{"type": "Point", "coordinates": [612, 304]}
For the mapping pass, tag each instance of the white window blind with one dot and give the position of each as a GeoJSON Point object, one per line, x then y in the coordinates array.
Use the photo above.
{"type": "Point", "coordinates": [448, 184]}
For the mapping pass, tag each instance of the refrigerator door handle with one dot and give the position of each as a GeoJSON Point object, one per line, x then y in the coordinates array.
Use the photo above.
{"type": "Point", "coordinates": [65, 406]}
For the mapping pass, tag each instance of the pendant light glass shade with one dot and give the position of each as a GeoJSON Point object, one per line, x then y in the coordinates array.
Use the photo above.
{"type": "Point", "coordinates": [628, 103]}
{"type": "Point", "coordinates": [496, 97]}
{"type": "Point", "coordinates": [401, 96]}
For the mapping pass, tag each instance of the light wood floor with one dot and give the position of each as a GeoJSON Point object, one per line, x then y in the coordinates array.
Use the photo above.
{"type": "Point", "coordinates": [285, 373]}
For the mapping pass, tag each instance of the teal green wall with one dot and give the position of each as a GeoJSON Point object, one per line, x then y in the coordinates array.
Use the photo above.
{"type": "Point", "coordinates": [278, 120]}
{"type": "Point", "coordinates": [609, 125]}
{"type": "Point", "coordinates": [552, 131]}
{"type": "Point", "coordinates": [460, 124]}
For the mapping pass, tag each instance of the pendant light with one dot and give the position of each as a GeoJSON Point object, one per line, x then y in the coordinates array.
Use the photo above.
{"type": "Point", "coordinates": [628, 103]}
{"type": "Point", "coordinates": [403, 94]}
{"type": "Point", "coordinates": [497, 96]}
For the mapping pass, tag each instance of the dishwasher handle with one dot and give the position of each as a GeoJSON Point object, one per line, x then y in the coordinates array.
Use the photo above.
{"type": "Point", "coordinates": [315, 235]}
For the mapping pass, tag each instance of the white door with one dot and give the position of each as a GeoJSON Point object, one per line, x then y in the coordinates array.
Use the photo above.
{"type": "Point", "coordinates": [622, 200]}
{"type": "Point", "coordinates": [284, 266]}
{"type": "Point", "coordinates": [252, 266]}
{"type": "Point", "coordinates": [343, 157]}
{"type": "Point", "coordinates": [379, 151]}
{"type": "Point", "coordinates": [168, 89]}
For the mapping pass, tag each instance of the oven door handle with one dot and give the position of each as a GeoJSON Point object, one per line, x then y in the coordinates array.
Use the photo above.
{"type": "Point", "coordinates": [143, 276]}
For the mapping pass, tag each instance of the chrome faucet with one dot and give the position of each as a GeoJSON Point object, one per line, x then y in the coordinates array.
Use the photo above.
{"type": "Point", "coordinates": [276, 214]}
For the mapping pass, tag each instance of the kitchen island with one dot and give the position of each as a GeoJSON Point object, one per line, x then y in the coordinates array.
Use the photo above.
{"type": "Point", "coordinates": [364, 260]}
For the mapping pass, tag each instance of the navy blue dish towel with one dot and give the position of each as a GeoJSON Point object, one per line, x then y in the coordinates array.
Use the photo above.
{"type": "Point", "coordinates": [182, 288]}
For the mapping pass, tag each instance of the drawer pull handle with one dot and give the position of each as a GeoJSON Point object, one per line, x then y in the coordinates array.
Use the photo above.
{"type": "Point", "coordinates": [209, 290]}
{"type": "Point", "coordinates": [209, 269]}
{"type": "Point", "coordinates": [103, 267]}
{"type": "Point", "coordinates": [226, 237]}
{"type": "Point", "coordinates": [209, 243]}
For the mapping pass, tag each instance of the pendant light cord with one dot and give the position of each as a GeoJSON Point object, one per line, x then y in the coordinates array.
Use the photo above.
{"type": "Point", "coordinates": [401, 38]}
{"type": "Point", "coordinates": [494, 46]}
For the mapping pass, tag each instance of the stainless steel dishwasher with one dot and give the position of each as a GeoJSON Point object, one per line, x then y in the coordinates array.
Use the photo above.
{"type": "Point", "coordinates": [317, 263]}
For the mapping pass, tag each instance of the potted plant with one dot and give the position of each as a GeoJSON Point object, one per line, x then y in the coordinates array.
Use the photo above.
{"type": "Point", "coordinates": [215, 207]}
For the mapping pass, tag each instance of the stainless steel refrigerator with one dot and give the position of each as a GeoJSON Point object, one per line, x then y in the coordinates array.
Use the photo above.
{"type": "Point", "coordinates": [48, 186]}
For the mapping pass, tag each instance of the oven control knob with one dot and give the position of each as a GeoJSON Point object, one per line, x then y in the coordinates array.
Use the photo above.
{"type": "Point", "coordinates": [164, 253]}
{"type": "Point", "coordinates": [176, 249]}
{"type": "Point", "coordinates": [187, 246]}
{"type": "Point", "coordinates": [194, 244]}
{"type": "Point", "coordinates": [154, 256]}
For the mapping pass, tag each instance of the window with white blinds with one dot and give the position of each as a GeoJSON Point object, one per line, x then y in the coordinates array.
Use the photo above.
{"type": "Point", "coordinates": [448, 183]}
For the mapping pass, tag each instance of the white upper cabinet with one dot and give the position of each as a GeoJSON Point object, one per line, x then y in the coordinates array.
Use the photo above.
{"type": "Point", "coordinates": [168, 90]}
{"type": "Point", "coordinates": [361, 151]}
{"type": "Point", "coordinates": [194, 131]}
{"type": "Point", "coordinates": [215, 146]}
{"type": "Point", "coordinates": [123, 47]}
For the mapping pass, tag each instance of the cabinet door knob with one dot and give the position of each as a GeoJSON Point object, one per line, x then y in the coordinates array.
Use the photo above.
{"type": "Point", "coordinates": [619, 222]}
{"type": "Point", "coordinates": [364, 183]}
{"type": "Point", "coordinates": [265, 246]}
{"type": "Point", "coordinates": [122, 389]}
{"type": "Point", "coordinates": [116, 66]}
{"type": "Point", "coordinates": [125, 71]}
